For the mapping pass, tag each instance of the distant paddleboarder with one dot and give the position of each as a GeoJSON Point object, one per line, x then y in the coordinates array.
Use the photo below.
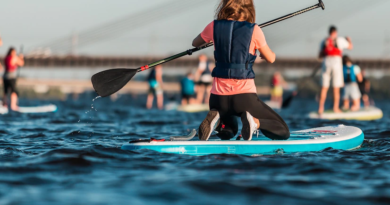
{"type": "Point", "coordinates": [11, 63]}
{"type": "Point", "coordinates": [236, 39]}
{"type": "Point", "coordinates": [155, 81]}
{"type": "Point", "coordinates": [204, 79]}
{"type": "Point", "coordinates": [364, 87]}
{"type": "Point", "coordinates": [188, 95]}
{"type": "Point", "coordinates": [1, 43]}
{"type": "Point", "coordinates": [277, 85]}
{"type": "Point", "coordinates": [352, 75]}
{"type": "Point", "coordinates": [332, 68]}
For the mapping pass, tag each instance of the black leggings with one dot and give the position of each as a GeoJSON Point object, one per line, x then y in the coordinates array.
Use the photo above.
{"type": "Point", "coordinates": [9, 86]}
{"type": "Point", "coordinates": [232, 106]}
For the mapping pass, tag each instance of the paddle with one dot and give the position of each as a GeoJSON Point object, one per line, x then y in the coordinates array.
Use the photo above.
{"type": "Point", "coordinates": [286, 102]}
{"type": "Point", "coordinates": [109, 82]}
{"type": "Point", "coordinates": [21, 52]}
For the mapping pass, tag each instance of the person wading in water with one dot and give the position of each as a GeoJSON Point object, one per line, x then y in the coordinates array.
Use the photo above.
{"type": "Point", "coordinates": [155, 81]}
{"type": "Point", "coordinates": [236, 39]}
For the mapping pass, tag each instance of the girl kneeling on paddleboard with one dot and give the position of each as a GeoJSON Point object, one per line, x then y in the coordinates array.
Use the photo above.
{"type": "Point", "coordinates": [236, 39]}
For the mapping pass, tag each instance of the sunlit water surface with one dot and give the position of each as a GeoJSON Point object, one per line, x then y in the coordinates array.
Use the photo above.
{"type": "Point", "coordinates": [74, 157]}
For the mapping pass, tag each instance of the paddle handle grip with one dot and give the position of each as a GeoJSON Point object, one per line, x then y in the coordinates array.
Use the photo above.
{"type": "Point", "coordinates": [193, 50]}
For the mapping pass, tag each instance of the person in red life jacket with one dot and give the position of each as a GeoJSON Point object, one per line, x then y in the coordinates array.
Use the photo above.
{"type": "Point", "coordinates": [11, 63]}
{"type": "Point", "coordinates": [1, 43]}
{"type": "Point", "coordinates": [352, 76]}
{"type": "Point", "coordinates": [236, 40]}
{"type": "Point", "coordinates": [277, 86]}
{"type": "Point", "coordinates": [204, 79]}
{"type": "Point", "coordinates": [332, 67]}
{"type": "Point", "coordinates": [155, 81]}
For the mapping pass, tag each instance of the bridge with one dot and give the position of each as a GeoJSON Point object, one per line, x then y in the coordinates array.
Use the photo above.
{"type": "Point", "coordinates": [185, 62]}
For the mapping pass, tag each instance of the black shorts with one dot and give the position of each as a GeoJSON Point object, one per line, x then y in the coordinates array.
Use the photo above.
{"type": "Point", "coordinates": [232, 106]}
{"type": "Point", "coordinates": [363, 92]}
{"type": "Point", "coordinates": [187, 97]}
{"type": "Point", "coordinates": [9, 86]}
{"type": "Point", "coordinates": [203, 83]}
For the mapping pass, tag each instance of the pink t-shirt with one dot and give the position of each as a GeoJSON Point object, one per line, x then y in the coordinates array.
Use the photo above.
{"type": "Point", "coordinates": [223, 86]}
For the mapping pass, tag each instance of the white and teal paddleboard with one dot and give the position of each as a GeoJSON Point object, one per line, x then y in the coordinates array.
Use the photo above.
{"type": "Point", "coordinates": [364, 114]}
{"type": "Point", "coordinates": [316, 139]}
{"type": "Point", "coordinates": [34, 109]}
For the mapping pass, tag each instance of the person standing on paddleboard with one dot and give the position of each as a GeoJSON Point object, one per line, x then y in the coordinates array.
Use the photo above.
{"type": "Point", "coordinates": [1, 43]}
{"type": "Point", "coordinates": [352, 75]}
{"type": "Point", "coordinates": [332, 67]}
{"type": "Point", "coordinates": [204, 79]}
{"type": "Point", "coordinates": [155, 81]}
{"type": "Point", "coordinates": [236, 39]}
{"type": "Point", "coordinates": [11, 63]}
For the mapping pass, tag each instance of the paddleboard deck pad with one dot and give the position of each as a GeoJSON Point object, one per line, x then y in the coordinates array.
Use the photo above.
{"type": "Point", "coordinates": [316, 139]}
{"type": "Point", "coordinates": [35, 109]}
{"type": "Point", "coordinates": [364, 114]}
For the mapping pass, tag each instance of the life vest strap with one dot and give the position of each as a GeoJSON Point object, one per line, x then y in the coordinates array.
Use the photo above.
{"type": "Point", "coordinates": [234, 66]}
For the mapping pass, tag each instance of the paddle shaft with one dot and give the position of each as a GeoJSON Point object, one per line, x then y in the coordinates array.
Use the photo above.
{"type": "Point", "coordinates": [191, 51]}
{"type": "Point", "coordinates": [21, 52]}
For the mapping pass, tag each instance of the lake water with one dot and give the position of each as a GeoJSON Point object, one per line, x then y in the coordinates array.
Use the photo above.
{"type": "Point", "coordinates": [74, 157]}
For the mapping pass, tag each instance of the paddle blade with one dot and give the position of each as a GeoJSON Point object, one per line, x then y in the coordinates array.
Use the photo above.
{"type": "Point", "coordinates": [111, 81]}
{"type": "Point", "coordinates": [286, 103]}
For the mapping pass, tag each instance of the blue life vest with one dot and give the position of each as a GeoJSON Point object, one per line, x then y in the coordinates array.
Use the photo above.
{"type": "Point", "coordinates": [187, 86]}
{"type": "Point", "coordinates": [152, 75]}
{"type": "Point", "coordinates": [152, 79]}
{"type": "Point", "coordinates": [232, 40]}
{"type": "Point", "coordinates": [349, 74]}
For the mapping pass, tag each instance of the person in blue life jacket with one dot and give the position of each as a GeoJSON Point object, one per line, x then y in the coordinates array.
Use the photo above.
{"type": "Point", "coordinates": [188, 93]}
{"type": "Point", "coordinates": [203, 79]}
{"type": "Point", "coordinates": [155, 81]}
{"type": "Point", "coordinates": [352, 75]}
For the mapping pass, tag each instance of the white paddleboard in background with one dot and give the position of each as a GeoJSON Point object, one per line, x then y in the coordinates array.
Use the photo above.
{"type": "Point", "coordinates": [364, 114]}
{"type": "Point", "coordinates": [32, 109]}
{"type": "Point", "coordinates": [187, 108]}
{"type": "Point", "coordinates": [194, 108]}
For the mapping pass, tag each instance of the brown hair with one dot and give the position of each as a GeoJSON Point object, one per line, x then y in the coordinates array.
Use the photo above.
{"type": "Point", "coordinates": [236, 10]}
{"type": "Point", "coordinates": [346, 59]}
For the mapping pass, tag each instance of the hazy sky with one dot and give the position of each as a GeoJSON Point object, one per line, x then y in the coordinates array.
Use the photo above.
{"type": "Point", "coordinates": [35, 23]}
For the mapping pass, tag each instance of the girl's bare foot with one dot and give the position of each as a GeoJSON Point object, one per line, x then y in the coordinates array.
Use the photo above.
{"type": "Point", "coordinates": [14, 107]}
{"type": "Point", "coordinates": [320, 111]}
{"type": "Point", "coordinates": [337, 110]}
{"type": "Point", "coordinates": [355, 108]}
